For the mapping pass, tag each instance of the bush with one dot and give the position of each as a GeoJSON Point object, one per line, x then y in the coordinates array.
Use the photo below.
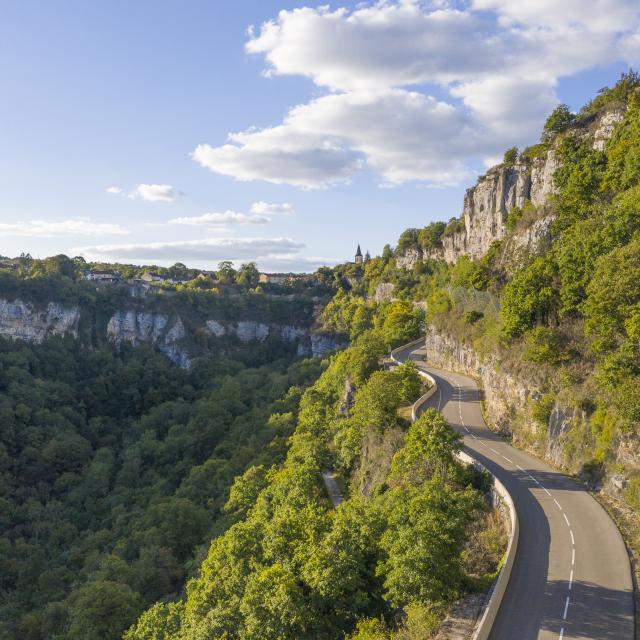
{"type": "Point", "coordinates": [510, 156]}
{"type": "Point", "coordinates": [541, 410]}
{"type": "Point", "coordinates": [558, 121]}
{"type": "Point", "coordinates": [543, 346]}
{"type": "Point", "coordinates": [471, 317]}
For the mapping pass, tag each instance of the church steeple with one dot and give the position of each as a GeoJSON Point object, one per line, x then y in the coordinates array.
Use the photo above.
{"type": "Point", "coordinates": [359, 258]}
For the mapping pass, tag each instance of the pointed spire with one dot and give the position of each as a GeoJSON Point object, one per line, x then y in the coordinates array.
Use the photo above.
{"type": "Point", "coordinates": [359, 251]}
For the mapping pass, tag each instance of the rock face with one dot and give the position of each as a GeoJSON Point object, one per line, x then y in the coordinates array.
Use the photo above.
{"type": "Point", "coordinates": [504, 395]}
{"type": "Point", "coordinates": [309, 343]}
{"type": "Point", "coordinates": [507, 399]}
{"type": "Point", "coordinates": [487, 204]}
{"type": "Point", "coordinates": [319, 345]}
{"type": "Point", "coordinates": [605, 126]}
{"type": "Point", "coordinates": [519, 246]}
{"type": "Point", "coordinates": [542, 170]}
{"type": "Point", "coordinates": [384, 291]}
{"type": "Point", "coordinates": [136, 327]}
{"type": "Point", "coordinates": [22, 321]}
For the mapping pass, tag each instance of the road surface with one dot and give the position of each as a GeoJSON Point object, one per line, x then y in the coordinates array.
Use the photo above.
{"type": "Point", "coordinates": [572, 577]}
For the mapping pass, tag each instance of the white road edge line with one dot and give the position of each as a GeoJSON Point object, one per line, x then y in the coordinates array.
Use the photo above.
{"type": "Point", "coordinates": [573, 541]}
{"type": "Point", "coordinates": [571, 580]}
{"type": "Point", "coordinates": [566, 608]}
{"type": "Point", "coordinates": [507, 459]}
{"type": "Point", "coordinates": [557, 504]}
{"type": "Point", "coordinates": [573, 557]}
{"type": "Point", "coordinates": [567, 520]}
{"type": "Point", "coordinates": [561, 634]}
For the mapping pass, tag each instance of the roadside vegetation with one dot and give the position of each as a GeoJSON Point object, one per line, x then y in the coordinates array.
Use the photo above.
{"type": "Point", "coordinates": [410, 537]}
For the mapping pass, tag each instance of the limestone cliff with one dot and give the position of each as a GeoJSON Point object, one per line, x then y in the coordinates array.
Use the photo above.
{"type": "Point", "coordinates": [503, 187]}
{"type": "Point", "coordinates": [509, 397]}
{"type": "Point", "coordinates": [167, 332]}
{"type": "Point", "coordinates": [22, 321]}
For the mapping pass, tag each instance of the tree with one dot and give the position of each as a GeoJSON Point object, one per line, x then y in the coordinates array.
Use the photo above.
{"type": "Point", "coordinates": [558, 121]}
{"type": "Point", "coordinates": [510, 156]}
{"type": "Point", "coordinates": [402, 323]}
{"type": "Point", "coordinates": [160, 622]}
{"type": "Point", "coordinates": [430, 448]}
{"type": "Point", "coordinates": [273, 606]}
{"type": "Point", "coordinates": [248, 275]}
{"type": "Point", "coordinates": [423, 542]}
{"type": "Point", "coordinates": [530, 297]}
{"type": "Point", "coordinates": [226, 273]}
{"type": "Point", "coordinates": [102, 609]}
{"type": "Point", "coordinates": [613, 295]}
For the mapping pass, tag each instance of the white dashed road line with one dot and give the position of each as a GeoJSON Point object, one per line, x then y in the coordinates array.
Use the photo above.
{"type": "Point", "coordinates": [573, 548]}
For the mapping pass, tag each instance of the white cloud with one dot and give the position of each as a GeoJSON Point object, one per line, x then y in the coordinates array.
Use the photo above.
{"type": "Point", "coordinates": [116, 191]}
{"type": "Point", "coordinates": [271, 209]}
{"type": "Point", "coordinates": [609, 16]}
{"type": "Point", "coordinates": [154, 193]}
{"type": "Point", "coordinates": [75, 227]}
{"type": "Point", "coordinates": [379, 46]}
{"type": "Point", "coordinates": [277, 156]}
{"type": "Point", "coordinates": [224, 218]}
{"type": "Point", "coordinates": [400, 134]}
{"type": "Point", "coordinates": [494, 65]}
{"type": "Point", "coordinates": [208, 249]}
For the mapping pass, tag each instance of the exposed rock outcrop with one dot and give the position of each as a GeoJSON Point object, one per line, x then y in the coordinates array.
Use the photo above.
{"type": "Point", "coordinates": [605, 125]}
{"type": "Point", "coordinates": [503, 187]}
{"type": "Point", "coordinates": [505, 396]}
{"type": "Point", "coordinates": [530, 240]}
{"type": "Point", "coordinates": [384, 291]}
{"type": "Point", "coordinates": [320, 345]}
{"type": "Point", "coordinates": [22, 321]}
{"type": "Point", "coordinates": [137, 327]}
{"type": "Point", "coordinates": [508, 400]}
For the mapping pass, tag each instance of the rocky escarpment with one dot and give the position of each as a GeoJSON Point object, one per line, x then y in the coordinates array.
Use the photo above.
{"type": "Point", "coordinates": [167, 332]}
{"type": "Point", "coordinates": [22, 321]}
{"type": "Point", "coordinates": [509, 403]}
{"type": "Point", "coordinates": [505, 186]}
{"type": "Point", "coordinates": [310, 343]}
{"type": "Point", "coordinates": [137, 327]}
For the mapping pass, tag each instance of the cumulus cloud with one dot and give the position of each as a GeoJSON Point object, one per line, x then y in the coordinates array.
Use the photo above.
{"type": "Point", "coordinates": [494, 65]}
{"type": "Point", "coordinates": [400, 134]}
{"type": "Point", "coordinates": [271, 209]}
{"type": "Point", "coordinates": [74, 227]}
{"type": "Point", "coordinates": [208, 249]}
{"type": "Point", "coordinates": [116, 191]}
{"type": "Point", "coordinates": [281, 156]}
{"type": "Point", "coordinates": [154, 193]}
{"type": "Point", "coordinates": [224, 218]}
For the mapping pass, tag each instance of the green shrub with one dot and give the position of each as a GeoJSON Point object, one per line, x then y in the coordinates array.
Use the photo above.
{"type": "Point", "coordinates": [510, 156]}
{"type": "Point", "coordinates": [471, 317]}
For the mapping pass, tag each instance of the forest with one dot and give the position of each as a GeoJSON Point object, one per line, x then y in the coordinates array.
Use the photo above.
{"type": "Point", "coordinates": [115, 467]}
{"type": "Point", "coordinates": [414, 532]}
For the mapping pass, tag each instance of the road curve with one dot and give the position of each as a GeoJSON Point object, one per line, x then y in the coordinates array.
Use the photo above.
{"type": "Point", "coordinates": [571, 577]}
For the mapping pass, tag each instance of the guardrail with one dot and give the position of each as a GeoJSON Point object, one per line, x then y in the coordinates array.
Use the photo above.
{"type": "Point", "coordinates": [484, 626]}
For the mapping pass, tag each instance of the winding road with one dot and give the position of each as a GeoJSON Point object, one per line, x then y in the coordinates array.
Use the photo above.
{"type": "Point", "coordinates": [571, 577]}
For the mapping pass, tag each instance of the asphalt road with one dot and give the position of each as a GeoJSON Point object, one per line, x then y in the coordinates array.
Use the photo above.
{"type": "Point", "coordinates": [572, 576]}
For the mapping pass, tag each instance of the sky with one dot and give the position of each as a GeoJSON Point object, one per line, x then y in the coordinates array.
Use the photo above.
{"type": "Point", "coordinates": [283, 132]}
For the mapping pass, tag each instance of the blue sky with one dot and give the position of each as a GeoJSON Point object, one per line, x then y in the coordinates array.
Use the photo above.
{"type": "Point", "coordinates": [356, 121]}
